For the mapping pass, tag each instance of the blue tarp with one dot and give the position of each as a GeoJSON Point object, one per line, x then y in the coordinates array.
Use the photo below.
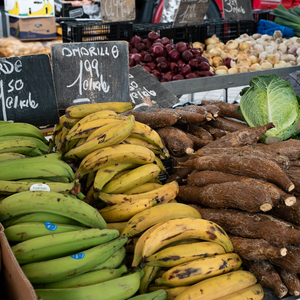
{"type": "Point", "coordinates": [268, 27]}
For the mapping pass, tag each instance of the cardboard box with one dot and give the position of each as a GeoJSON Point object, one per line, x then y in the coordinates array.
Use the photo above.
{"type": "Point", "coordinates": [66, 9]}
{"type": "Point", "coordinates": [14, 283]}
{"type": "Point", "coordinates": [29, 8]}
{"type": "Point", "coordinates": [32, 28]}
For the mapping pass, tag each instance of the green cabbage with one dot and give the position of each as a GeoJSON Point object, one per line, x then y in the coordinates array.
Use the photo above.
{"type": "Point", "coordinates": [271, 99]}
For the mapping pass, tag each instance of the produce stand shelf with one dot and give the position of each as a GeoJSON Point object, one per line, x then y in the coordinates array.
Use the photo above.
{"type": "Point", "coordinates": [190, 86]}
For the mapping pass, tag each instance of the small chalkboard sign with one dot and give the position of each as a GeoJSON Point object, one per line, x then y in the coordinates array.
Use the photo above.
{"type": "Point", "coordinates": [90, 72]}
{"type": "Point", "coordinates": [147, 93]}
{"type": "Point", "coordinates": [237, 9]}
{"type": "Point", "coordinates": [190, 12]}
{"type": "Point", "coordinates": [117, 10]}
{"type": "Point", "coordinates": [27, 91]}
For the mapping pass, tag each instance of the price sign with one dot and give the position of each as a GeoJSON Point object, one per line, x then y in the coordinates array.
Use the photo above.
{"type": "Point", "coordinates": [190, 12]}
{"type": "Point", "coordinates": [146, 92]}
{"type": "Point", "coordinates": [90, 72]}
{"type": "Point", "coordinates": [237, 9]}
{"type": "Point", "coordinates": [26, 90]}
{"type": "Point", "coordinates": [117, 10]}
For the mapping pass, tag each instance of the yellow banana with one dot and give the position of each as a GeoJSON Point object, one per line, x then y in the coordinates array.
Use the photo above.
{"type": "Point", "coordinates": [82, 110]}
{"type": "Point", "coordinates": [174, 292]}
{"type": "Point", "coordinates": [117, 225]}
{"type": "Point", "coordinates": [253, 292]}
{"type": "Point", "coordinates": [168, 201]}
{"type": "Point", "coordinates": [140, 142]}
{"type": "Point", "coordinates": [111, 137]}
{"type": "Point", "coordinates": [103, 175]}
{"type": "Point", "coordinates": [177, 255]}
{"type": "Point", "coordinates": [150, 273]}
{"type": "Point", "coordinates": [138, 249]}
{"type": "Point", "coordinates": [15, 11]}
{"type": "Point", "coordinates": [199, 269]}
{"type": "Point", "coordinates": [102, 114]}
{"type": "Point", "coordinates": [143, 188]}
{"type": "Point", "coordinates": [183, 228]}
{"type": "Point", "coordinates": [85, 129]}
{"type": "Point", "coordinates": [58, 127]}
{"type": "Point", "coordinates": [62, 140]}
{"type": "Point", "coordinates": [124, 211]}
{"type": "Point", "coordinates": [166, 191]}
{"type": "Point", "coordinates": [132, 179]}
{"type": "Point", "coordinates": [57, 137]}
{"type": "Point", "coordinates": [218, 286]}
{"type": "Point", "coordinates": [70, 122]}
{"type": "Point", "coordinates": [81, 141]}
{"type": "Point", "coordinates": [148, 134]}
{"type": "Point", "coordinates": [160, 165]}
{"type": "Point", "coordinates": [100, 131]}
{"type": "Point", "coordinates": [144, 220]}
{"type": "Point", "coordinates": [115, 154]}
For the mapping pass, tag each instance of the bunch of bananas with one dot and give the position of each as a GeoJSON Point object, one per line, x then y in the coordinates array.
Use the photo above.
{"type": "Point", "coordinates": [184, 254]}
{"type": "Point", "coordinates": [118, 159]}
{"type": "Point", "coordinates": [65, 249]}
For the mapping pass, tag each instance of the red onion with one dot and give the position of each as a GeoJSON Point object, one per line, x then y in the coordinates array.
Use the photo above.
{"type": "Point", "coordinates": [163, 67]}
{"type": "Point", "coordinates": [178, 77]}
{"type": "Point", "coordinates": [147, 57]}
{"type": "Point", "coordinates": [205, 73]}
{"type": "Point", "coordinates": [187, 55]}
{"type": "Point", "coordinates": [174, 55]}
{"type": "Point", "coordinates": [168, 76]}
{"type": "Point", "coordinates": [152, 65]}
{"type": "Point", "coordinates": [147, 43]}
{"type": "Point", "coordinates": [190, 75]}
{"type": "Point", "coordinates": [160, 59]}
{"type": "Point", "coordinates": [140, 46]}
{"type": "Point", "coordinates": [179, 62]}
{"type": "Point", "coordinates": [154, 76]}
{"type": "Point", "coordinates": [135, 39]}
{"type": "Point", "coordinates": [165, 41]}
{"type": "Point", "coordinates": [203, 66]}
{"type": "Point", "coordinates": [157, 74]}
{"type": "Point", "coordinates": [193, 63]}
{"type": "Point", "coordinates": [157, 50]}
{"type": "Point", "coordinates": [202, 58]}
{"type": "Point", "coordinates": [153, 35]}
{"type": "Point", "coordinates": [131, 62]}
{"type": "Point", "coordinates": [147, 68]}
{"type": "Point", "coordinates": [174, 67]}
{"type": "Point", "coordinates": [227, 62]}
{"type": "Point", "coordinates": [169, 47]}
{"type": "Point", "coordinates": [184, 69]}
{"type": "Point", "coordinates": [137, 57]}
{"type": "Point", "coordinates": [134, 50]}
{"type": "Point", "coordinates": [181, 46]}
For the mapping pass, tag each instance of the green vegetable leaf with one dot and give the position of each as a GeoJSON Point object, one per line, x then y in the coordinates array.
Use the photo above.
{"type": "Point", "coordinates": [271, 99]}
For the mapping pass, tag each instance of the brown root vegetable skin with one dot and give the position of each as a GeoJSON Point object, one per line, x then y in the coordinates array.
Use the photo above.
{"type": "Point", "coordinates": [176, 141]}
{"type": "Point", "coordinates": [290, 280]}
{"type": "Point", "coordinates": [215, 132]}
{"type": "Point", "coordinates": [238, 195]}
{"type": "Point", "coordinates": [288, 213]}
{"type": "Point", "coordinates": [289, 148]}
{"type": "Point", "coordinates": [228, 110]}
{"type": "Point", "coordinates": [247, 136]}
{"type": "Point", "coordinates": [208, 110]}
{"type": "Point", "coordinates": [228, 124]}
{"type": "Point", "coordinates": [266, 275]}
{"type": "Point", "coordinates": [191, 117]}
{"type": "Point", "coordinates": [156, 119]}
{"type": "Point", "coordinates": [249, 150]}
{"type": "Point", "coordinates": [198, 142]}
{"type": "Point", "coordinates": [277, 232]}
{"type": "Point", "coordinates": [204, 178]}
{"type": "Point", "coordinates": [199, 132]}
{"type": "Point", "coordinates": [255, 249]}
{"type": "Point", "coordinates": [255, 167]}
{"type": "Point", "coordinates": [293, 174]}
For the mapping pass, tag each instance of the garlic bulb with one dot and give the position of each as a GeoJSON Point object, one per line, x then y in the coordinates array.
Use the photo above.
{"type": "Point", "coordinates": [255, 67]}
{"type": "Point", "coordinates": [245, 45]}
{"type": "Point", "coordinates": [265, 65]}
{"type": "Point", "coordinates": [280, 64]}
{"type": "Point", "coordinates": [233, 70]}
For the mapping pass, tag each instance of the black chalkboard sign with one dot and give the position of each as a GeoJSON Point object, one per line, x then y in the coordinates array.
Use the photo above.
{"type": "Point", "coordinates": [27, 90]}
{"type": "Point", "coordinates": [147, 93]}
{"type": "Point", "coordinates": [237, 9]}
{"type": "Point", "coordinates": [190, 12]}
{"type": "Point", "coordinates": [117, 10]}
{"type": "Point", "coordinates": [90, 72]}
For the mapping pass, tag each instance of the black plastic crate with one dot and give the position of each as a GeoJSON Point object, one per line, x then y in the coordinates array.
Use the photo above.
{"type": "Point", "coordinates": [91, 31]}
{"type": "Point", "coordinates": [247, 26]}
{"type": "Point", "coordinates": [263, 15]}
